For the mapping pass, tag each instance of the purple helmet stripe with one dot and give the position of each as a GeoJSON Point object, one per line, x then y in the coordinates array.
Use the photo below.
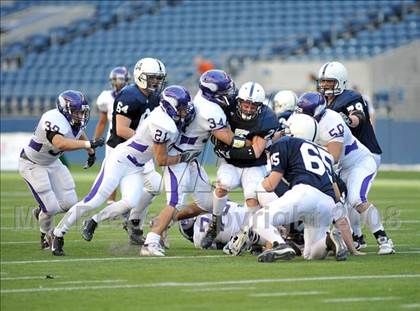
{"type": "Point", "coordinates": [95, 187]}
{"type": "Point", "coordinates": [37, 197]}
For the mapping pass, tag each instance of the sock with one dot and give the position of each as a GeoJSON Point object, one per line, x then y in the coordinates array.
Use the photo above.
{"type": "Point", "coordinates": [372, 219]}
{"type": "Point", "coordinates": [354, 217]}
{"type": "Point", "coordinates": [152, 237]}
{"type": "Point", "coordinates": [111, 211]}
{"type": "Point", "coordinates": [45, 222]}
{"type": "Point", "coordinates": [140, 211]}
{"type": "Point", "coordinates": [219, 204]}
{"type": "Point", "coordinates": [379, 233]}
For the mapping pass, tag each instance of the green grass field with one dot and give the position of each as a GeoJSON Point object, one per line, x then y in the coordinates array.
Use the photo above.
{"type": "Point", "coordinates": [107, 274]}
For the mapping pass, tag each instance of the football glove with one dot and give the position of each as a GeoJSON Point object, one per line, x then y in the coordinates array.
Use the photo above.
{"type": "Point", "coordinates": [90, 161]}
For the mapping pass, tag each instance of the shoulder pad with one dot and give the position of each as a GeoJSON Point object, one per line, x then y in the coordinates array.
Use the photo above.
{"type": "Point", "coordinates": [345, 98]}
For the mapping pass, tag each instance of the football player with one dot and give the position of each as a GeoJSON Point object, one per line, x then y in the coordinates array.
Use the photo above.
{"type": "Point", "coordinates": [190, 177]}
{"type": "Point", "coordinates": [311, 198]}
{"type": "Point", "coordinates": [59, 130]}
{"type": "Point", "coordinates": [356, 163]}
{"type": "Point", "coordinates": [124, 167]}
{"type": "Point", "coordinates": [332, 82]}
{"type": "Point", "coordinates": [118, 78]}
{"type": "Point", "coordinates": [233, 216]}
{"type": "Point", "coordinates": [244, 163]}
{"type": "Point", "coordinates": [131, 106]}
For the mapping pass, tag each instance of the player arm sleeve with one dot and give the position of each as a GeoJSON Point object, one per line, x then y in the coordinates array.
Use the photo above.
{"type": "Point", "coordinates": [245, 153]}
{"type": "Point", "coordinates": [50, 135]}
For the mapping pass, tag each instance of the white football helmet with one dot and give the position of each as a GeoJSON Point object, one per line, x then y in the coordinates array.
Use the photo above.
{"type": "Point", "coordinates": [333, 71]}
{"type": "Point", "coordinates": [149, 73]}
{"type": "Point", "coordinates": [252, 94]}
{"type": "Point", "coordinates": [303, 126]}
{"type": "Point", "coordinates": [284, 101]}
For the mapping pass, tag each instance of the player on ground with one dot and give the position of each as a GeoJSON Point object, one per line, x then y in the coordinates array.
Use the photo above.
{"type": "Point", "coordinates": [332, 82]}
{"type": "Point", "coordinates": [59, 130]}
{"type": "Point", "coordinates": [118, 78]}
{"type": "Point", "coordinates": [356, 164]}
{"type": "Point", "coordinates": [131, 106]}
{"type": "Point", "coordinates": [311, 198]}
{"type": "Point", "coordinates": [125, 165]}
{"type": "Point", "coordinates": [190, 177]}
{"type": "Point", "coordinates": [242, 165]}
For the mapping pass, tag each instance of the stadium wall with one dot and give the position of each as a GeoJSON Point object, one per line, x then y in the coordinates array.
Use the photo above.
{"type": "Point", "coordinates": [395, 73]}
{"type": "Point", "coordinates": [398, 140]}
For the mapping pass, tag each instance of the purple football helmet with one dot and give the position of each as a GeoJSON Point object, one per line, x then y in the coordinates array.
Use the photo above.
{"type": "Point", "coordinates": [75, 107]}
{"type": "Point", "coordinates": [119, 77]}
{"type": "Point", "coordinates": [216, 86]}
{"type": "Point", "coordinates": [175, 100]}
{"type": "Point", "coordinates": [312, 103]}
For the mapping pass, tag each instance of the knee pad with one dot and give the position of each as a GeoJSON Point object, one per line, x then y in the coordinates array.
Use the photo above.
{"type": "Point", "coordinates": [153, 183]}
{"type": "Point", "coordinates": [69, 199]}
{"type": "Point", "coordinates": [250, 191]}
{"type": "Point", "coordinates": [51, 203]}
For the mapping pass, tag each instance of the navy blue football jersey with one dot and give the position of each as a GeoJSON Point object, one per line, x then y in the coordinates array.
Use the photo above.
{"type": "Point", "coordinates": [264, 125]}
{"type": "Point", "coordinates": [303, 162]}
{"type": "Point", "coordinates": [349, 101]}
{"type": "Point", "coordinates": [283, 117]}
{"type": "Point", "coordinates": [133, 104]}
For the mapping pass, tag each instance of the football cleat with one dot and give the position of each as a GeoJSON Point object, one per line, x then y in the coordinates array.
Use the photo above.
{"type": "Point", "coordinates": [212, 232]}
{"type": "Point", "coordinates": [89, 226]}
{"type": "Point", "coordinates": [135, 234]}
{"type": "Point", "coordinates": [152, 250]}
{"type": "Point", "coordinates": [241, 242]}
{"type": "Point", "coordinates": [279, 251]}
{"type": "Point", "coordinates": [386, 246]}
{"type": "Point", "coordinates": [359, 242]}
{"type": "Point", "coordinates": [336, 244]}
{"type": "Point", "coordinates": [57, 246]}
{"type": "Point", "coordinates": [44, 242]}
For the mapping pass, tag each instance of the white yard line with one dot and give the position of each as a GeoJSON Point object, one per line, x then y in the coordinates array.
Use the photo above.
{"type": "Point", "coordinates": [210, 283]}
{"type": "Point", "coordinates": [93, 281]}
{"type": "Point", "coordinates": [411, 306]}
{"type": "Point", "coordinates": [360, 299]}
{"type": "Point", "coordinates": [67, 241]}
{"type": "Point", "coordinates": [285, 294]}
{"type": "Point", "coordinates": [18, 278]}
{"type": "Point", "coordinates": [217, 289]}
{"type": "Point", "coordinates": [24, 262]}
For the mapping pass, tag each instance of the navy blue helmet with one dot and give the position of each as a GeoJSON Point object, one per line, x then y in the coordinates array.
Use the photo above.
{"type": "Point", "coordinates": [75, 107]}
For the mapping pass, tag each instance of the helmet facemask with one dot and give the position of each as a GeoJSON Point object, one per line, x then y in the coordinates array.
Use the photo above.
{"type": "Point", "coordinates": [329, 87]}
{"type": "Point", "coordinates": [79, 117]}
{"type": "Point", "coordinates": [154, 82]}
{"type": "Point", "coordinates": [248, 110]}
